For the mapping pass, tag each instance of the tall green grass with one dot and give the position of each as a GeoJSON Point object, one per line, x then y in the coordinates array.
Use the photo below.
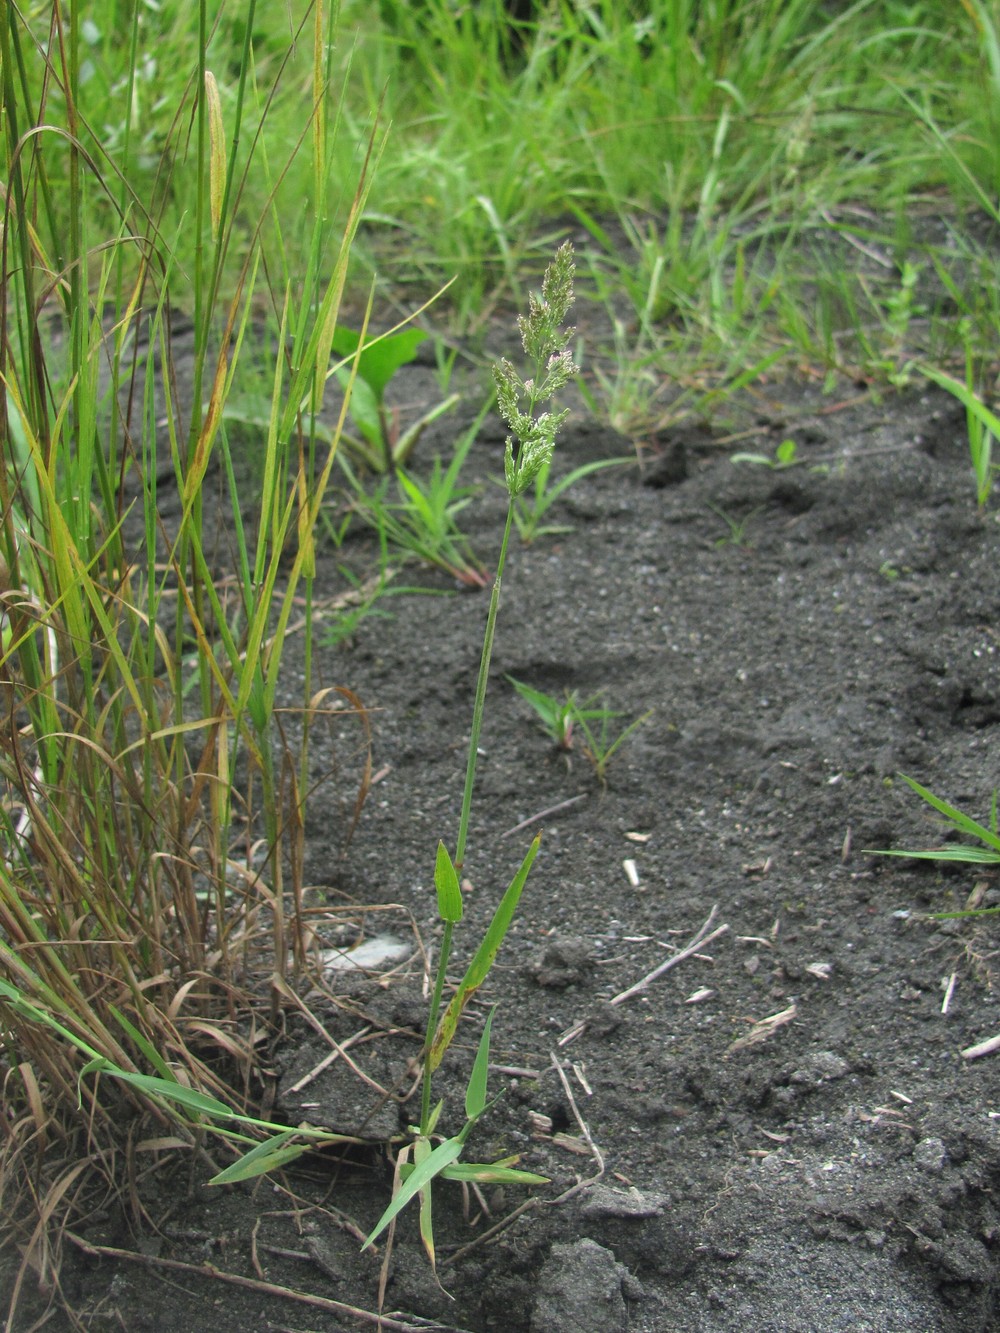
{"type": "Point", "coordinates": [151, 819]}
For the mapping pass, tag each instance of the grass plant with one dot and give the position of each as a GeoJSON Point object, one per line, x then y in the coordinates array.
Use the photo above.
{"type": "Point", "coordinates": [151, 816]}
{"type": "Point", "coordinates": [561, 719]}
{"type": "Point", "coordinates": [763, 128]}
{"type": "Point", "coordinates": [987, 853]}
{"type": "Point", "coordinates": [529, 448]}
{"type": "Point", "coordinates": [602, 739]}
{"type": "Point", "coordinates": [557, 716]}
{"type": "Point", "coordinates": [422, 521]}
{"type": "Point", "coordinates": [982, 425]}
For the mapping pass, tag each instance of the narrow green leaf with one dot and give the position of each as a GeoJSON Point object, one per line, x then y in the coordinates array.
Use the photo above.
{"type": "Point", "coordinates": [965, 396]}
{"type": "Point", "coordinates": [421, 1152]}
{"type": "Point", "coordinates": [478, 969]}
{"type": "Point", "coordinates": [475, 1093]}
{"type": "Point", "coordinates": [266, 1156]}
{"type": "Point", "coordinates": [145, 1045]}
{"type": "Point", "coordinates": [443, 1155]}
{"type": "Point", "coordinates": [172, 1091]}
{"type": "Point", "coordinates": [961, 821]}
{"type": "Point", "coordinates": [449, 891]}
{"type": "Point", "coordinates": [434, 1117]}
{"type": "Point", "coordinates": [486, 1173]}
{"type": "Point", "coordinates": [969, 855]}
{"type": "Point", "coordinates": [544, 705]}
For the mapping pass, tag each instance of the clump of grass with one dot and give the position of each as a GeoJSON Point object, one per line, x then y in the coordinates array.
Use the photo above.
{"type": "Point", "coordinates": [152, 817]}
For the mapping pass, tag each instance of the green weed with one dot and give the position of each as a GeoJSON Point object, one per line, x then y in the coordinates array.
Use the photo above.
{"type": "Point", "coordinates": [602, 738]}
{"type": "Point", "coordinates": [982, 425]}
{"type": "Point", "coordinates": [736, 528]}
{"type": "Point", "coordinates": [987, 854]}
{"type": "Point", "coordinates": [422, 520]}
{"type": "Point", "coordinates": [562, 718]}
{"type": "Point", "coordinates": [372, 364]}
{"type": "Point", "coordinates": [558, 716]}
{"type": "Point", "coordinates": [786, 455]}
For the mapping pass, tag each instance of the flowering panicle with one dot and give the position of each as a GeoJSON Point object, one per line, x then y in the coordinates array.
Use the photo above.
{"type": "Point", "coordinates": [546, 346]}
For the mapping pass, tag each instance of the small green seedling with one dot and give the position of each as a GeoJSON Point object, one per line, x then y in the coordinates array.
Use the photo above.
{"type": "Point", "coordinates": [737, 534]}
{"type": "Point", "coordinates": [987, 854]}
{"type": "Point", "coordinates": [556, 715]}
{"type": "Point", "coordinates": [786, 455]}
{"type": "Point", "coordinates": [982, 426]}
{"type": "Point", "coordinates": [560, 718]}
{"type": "Point", "coordinates": [382, 447]}
{"type": "Point", "coordinates": [601, 742]}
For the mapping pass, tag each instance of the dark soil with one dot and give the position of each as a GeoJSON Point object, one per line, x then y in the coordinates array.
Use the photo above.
{"type": "Point", "coordinates": [832, 1168]}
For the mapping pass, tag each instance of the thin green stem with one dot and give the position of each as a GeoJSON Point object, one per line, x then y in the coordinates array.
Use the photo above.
{"type": "Point", "coordinates": [432, 1022]}
{"type": "Point", "coordinates": [480, 704]}
{"type": "Point", "coordinates": [478, 709]}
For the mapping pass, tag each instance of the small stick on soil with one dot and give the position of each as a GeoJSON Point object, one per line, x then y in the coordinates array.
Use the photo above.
{"type": "Point", "coordinates": [544, 814]}
{"type": "Point", "coordinates": [982, 1048]}
{"type": "Point", "coordinates": [584, 1130]}
{"type": "Point", "coordinates": [762, 1030]}
{"type": "Point", "coordinates": [699, 942]}
{"type": "Point", "coordinates": [328, 1060]}
{"type": "Point", "coordinates": [264, 1288]}
{"type": "Point", "coordinates": [949, 992]}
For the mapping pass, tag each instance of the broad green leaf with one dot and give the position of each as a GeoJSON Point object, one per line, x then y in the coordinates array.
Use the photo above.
{"type": "Point", "coordinates": [443, 1155]}
{"type": "Point", "coordinates": [786, 452]}
{"type": "Point", "coordinates": [478, 969]}
{"type": "Point", "coordinates": [449, 891]}
{"type": "Point", "coordinates": [364, 409]}
{"type": "Point", "coordinates": [267, 1156]}
{"type": "Point", "coordinates": [475, 1093]}
{"type": "Point", "coordinates": [381, 357]}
